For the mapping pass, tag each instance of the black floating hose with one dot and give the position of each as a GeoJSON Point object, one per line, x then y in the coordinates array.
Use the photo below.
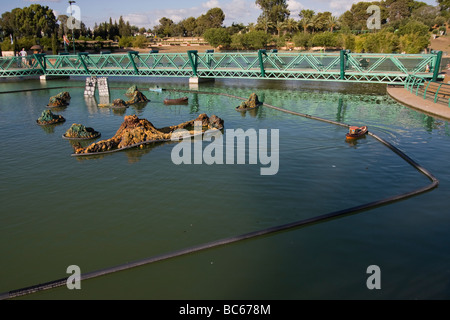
{"type": "Point", "coordinates": [284, 227]}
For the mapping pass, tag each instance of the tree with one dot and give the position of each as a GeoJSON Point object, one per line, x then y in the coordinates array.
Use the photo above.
{"type": "Point", "coordinates": [414, 27]}
{"type": "Point", "coordinates": [356, 17]}
{"type": "Point", "coordinates": [33, 21]}
{"type": "Point", "coordinates": [444, 5]}
{"type": "Point", "coordinates": [426, 14]}
{"type": "Point", "coordinates": [321, 20]}
{"type": "Point", "coordinates": [215, 17]}
{"type": "Point", "coordinates": [281, 26]}
{"type": "Point", "coordinates": [212, 19]}
{"type": "Point", "coordinates": [291, 25]}
{"type": "Point", "coordinates": [217, 36]}
{"type": "Point", "coordinates": [62, 30]}
{"type": "Point", "coordinates": [265, 24]}
{"type": "Point", "coordinates": [273, 11]}
{"type": "Point", "coordinates": [255, 40]}
{"type": "Point", "coordinates": [333, 22]}
{"type": "Point", "coordinates": [399, 10]}
{"type": "Point", "coordinates": [124, 28]}
{"type": "Point", "coordinates": [306, 18]}
{"type": "Point", "coordinates": [164, 29]}
{"type": "Point", "coordinates": [189, 25]}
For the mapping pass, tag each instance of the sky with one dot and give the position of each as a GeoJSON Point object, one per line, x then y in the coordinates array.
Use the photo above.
{"type": "Point", "coordinates": [146, 13]}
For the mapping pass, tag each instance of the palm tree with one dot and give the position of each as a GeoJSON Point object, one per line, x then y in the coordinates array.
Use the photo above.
{"type": "Point", "coordinates": [333, 22]}
{"type": "Point", "coordinates": [291, 25]}
{"type": "Point", "coordinates": [265, 23]}
{"type": "Point", "coordinates": [306, 21]}
{"type": "Point", "coordinates": [281, 25]}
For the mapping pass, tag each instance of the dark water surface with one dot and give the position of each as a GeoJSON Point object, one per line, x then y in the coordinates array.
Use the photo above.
{"type": "Point", "coordinates": [59, 210]}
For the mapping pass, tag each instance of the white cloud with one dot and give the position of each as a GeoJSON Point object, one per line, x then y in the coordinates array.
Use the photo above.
{"type": "Point", "coordinates": [240, 11]}
{"type": "Point", "coordinates": [295, 7]}
{"type": "Point", "coordinates": [211, 4]}
{"type": "Point", "coordinates": [338, 7]}
{"type": "Point", "coordinates": [137, 19]}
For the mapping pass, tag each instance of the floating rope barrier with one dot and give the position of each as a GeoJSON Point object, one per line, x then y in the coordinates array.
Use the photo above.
{"type": "Point", "coordinates": [297, 224]}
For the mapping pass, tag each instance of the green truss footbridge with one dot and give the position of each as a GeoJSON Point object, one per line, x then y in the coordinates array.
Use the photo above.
{"type": "Point", "coordinates": [262, 64]}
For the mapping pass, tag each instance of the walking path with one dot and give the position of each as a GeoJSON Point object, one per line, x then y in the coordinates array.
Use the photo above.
{"type": "Point", "coordinates": [427, 106]}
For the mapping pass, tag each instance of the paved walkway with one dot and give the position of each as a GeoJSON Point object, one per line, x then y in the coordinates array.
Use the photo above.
{"type": "Point", "coordinates": [427, 106]}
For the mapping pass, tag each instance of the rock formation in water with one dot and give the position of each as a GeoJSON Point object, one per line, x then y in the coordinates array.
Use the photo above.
{"type": "Point", "coordinates": [134, 131]}
{"type": "Point", "coordinates": [60, 100]}
{"type": "Point", "coordinates": [251, 103]}
{"type": "Point", "coordinates": [136, 97]}
{"type": "Point", "coordinates": [79, 131]}
{"type": "Point", "coordinates": [47, 117]}
{"type": "Point", "coordinates": [131, 90]}
{"type": "Point", "coordinates": [119, 103]}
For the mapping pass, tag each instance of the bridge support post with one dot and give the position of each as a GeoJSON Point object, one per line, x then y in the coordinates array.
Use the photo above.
{"type": "Point", "coordinates": [342, 65]}
{"type": "Point", "coordinates": [131, 55]}
{"type": "Point", "coordinates": [193, 59]}
{"type": "Point", "coordinates": [437, 65]}
{"type": "Point", "coordinates": [81, 56]}
{"type": "Point", "coordinates": [261, 61]}
{"type": "Point", "coordinates": [40, 58]}
{"type": "Point", "coordinates": [197, 80]}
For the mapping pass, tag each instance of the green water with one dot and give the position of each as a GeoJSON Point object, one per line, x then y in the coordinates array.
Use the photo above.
{"type": "Point", "coordinates": [58, 210]}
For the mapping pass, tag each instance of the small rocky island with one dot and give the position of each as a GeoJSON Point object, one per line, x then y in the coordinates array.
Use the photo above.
{"type": "Point", "coordinates": [79, 131]}
{"type": "Point", "coordinates": [136, 97]}
{"type": "Point", "coordinates": [135, 131]}
{"type": "Point", "coordinates": [47, 117]}
{"type": "Point", "coordinates": [60, 100]}
{"type": "Point", "coordinates": [251, 103]}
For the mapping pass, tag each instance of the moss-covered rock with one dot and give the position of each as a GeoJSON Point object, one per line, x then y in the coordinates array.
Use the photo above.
{"type": "Point", "coordinates": [119, 103]}
{"type": "Point", "coordinates": [251, 103]}
{"type": "Point", "coordinates": [137, 97]}
{"type": "Point", "coordinates": [60, 100]}
{"type": "Point", "coordinates": [79, 131]}
{"type": "Point", "coordinates": [47, 117]}
{"type": "Point", "coordinates": [131, 90]}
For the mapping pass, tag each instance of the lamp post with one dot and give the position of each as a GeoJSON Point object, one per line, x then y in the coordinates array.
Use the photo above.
{"type": "Point", "coordinates": [73, 37]}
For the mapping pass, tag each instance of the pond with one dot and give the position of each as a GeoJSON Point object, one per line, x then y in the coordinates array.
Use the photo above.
{"type": "Point", "coordinates": [104, 211]}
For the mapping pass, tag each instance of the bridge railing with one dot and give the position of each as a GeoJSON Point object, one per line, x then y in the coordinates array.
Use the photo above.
{"type": "Point", "coordinates": [21, 66]}
{"type": "Point", "coordinates": [436, 91]}
{"type": "Point", "coordinates": [333, 66]}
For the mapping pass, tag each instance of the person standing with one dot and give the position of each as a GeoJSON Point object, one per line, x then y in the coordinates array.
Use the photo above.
{"type": "Point", "coordinates": [23, 54]}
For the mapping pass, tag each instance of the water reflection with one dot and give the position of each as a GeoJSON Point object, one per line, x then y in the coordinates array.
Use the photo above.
{"type": "Point", "coordinates": [57, 109]}
{"type": "Point", "coordinates": [354, 142]}
{"type": "Point", "coordinates": [91, 104]}
{"type": "Point", "coordinates": [253, 113]}
{"type": "Point", "coordinates": [139, 107]}
{"type": "Point", "coordinates": [194, 103]}
{"type": "Point", "coordinates": [50, 128]}
{"type": "Point", "coordinates": [340, 115]}
{"type": "Point", "coordinates": [119, 111]}
{"type": "Point", "coordinates": [134, 155]}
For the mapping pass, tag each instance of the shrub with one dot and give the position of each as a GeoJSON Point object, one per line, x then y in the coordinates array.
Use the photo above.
{"type": "Point", "coordinates": [217, 37]}
{"type": "Point", "coordinates": [140, 42]}
{"type": "Point", "coordinates": [413, 43]}
{"type": "Point", "coordinates": [324, 39]}
{"type": "Point", "coordinates": [125, 42]}
{"type": "Point", "coordinates": [301, 39]}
